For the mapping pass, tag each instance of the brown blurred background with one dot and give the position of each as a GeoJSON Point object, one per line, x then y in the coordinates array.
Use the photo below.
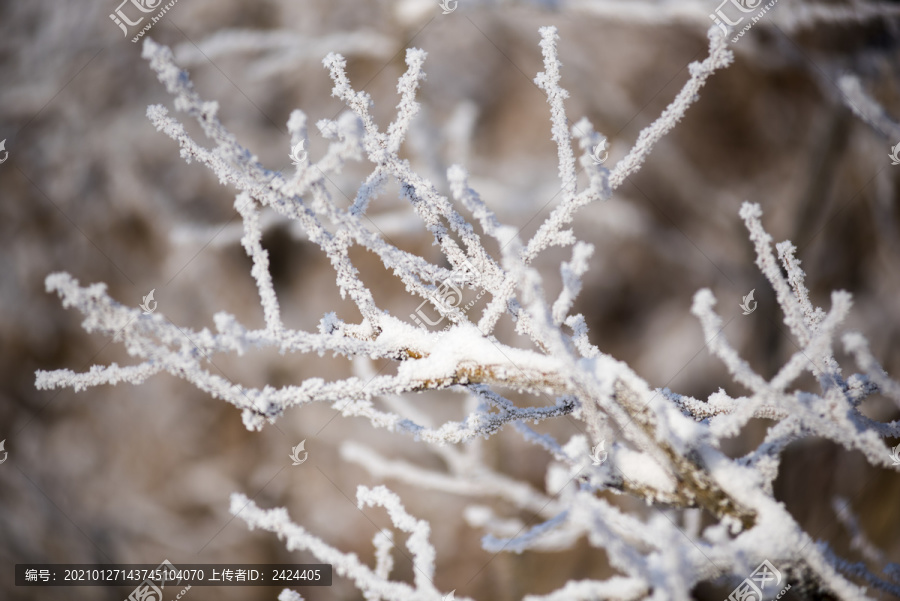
{"type": "Point", "coordinates": [141, 474]}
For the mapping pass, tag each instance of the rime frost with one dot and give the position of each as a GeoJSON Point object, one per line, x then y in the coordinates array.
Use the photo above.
{"type": "Point", "coordinates": [664, 447]}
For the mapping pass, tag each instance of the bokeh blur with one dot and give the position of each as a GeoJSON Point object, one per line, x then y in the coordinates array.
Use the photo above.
{"type": "Point", "coordinates": [138, 474]}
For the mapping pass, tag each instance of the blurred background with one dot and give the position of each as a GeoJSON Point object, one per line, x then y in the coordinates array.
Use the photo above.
{"type": "Point", "coordinates": [138, 474]}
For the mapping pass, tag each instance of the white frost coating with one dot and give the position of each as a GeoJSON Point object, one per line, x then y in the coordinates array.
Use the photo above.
{"type": "Point", "coordinates": [663, 447]}
{"type": "Point", "coordinates": [643, 470]}
{"type": "Point", "coordinates": [273, 52]}
{"type": "Point", "coordinates": [617, 587]}
{"type": "Point", "coordinates": [419, 531]}
{"type": "Point", "coordinates": [252, 242]}
{"type": "Point", "coordinates": [549, 82]}
{"type": "Point", "coordinates": [571, 276]}
{"type": "Point", "coordinates": [719, 58]}
{"type": "Point", "coordinates": [289, 595]}
{"type": "Point", "coordinates": [384, 561]}
{"type": "Point", "coordinates": [867, 108]}
{"type": "Point", "coordinates": [347, 565]}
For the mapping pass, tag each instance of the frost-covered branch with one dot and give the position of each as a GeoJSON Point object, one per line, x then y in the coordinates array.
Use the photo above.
{"type": "Point", "coordinates": [719, 58]}
{"type": "Point", "coordinates": [867, 108]}
{"type": "Point", "coordinates": [375, 582]}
